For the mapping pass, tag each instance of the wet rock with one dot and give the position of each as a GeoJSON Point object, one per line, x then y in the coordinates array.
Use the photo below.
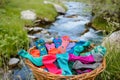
{"type": "Point", "coordinates": [85, 31]}
{"type": "Point", "coordinates": [28, 15]}
{"type": "Point", "coordinates": [33, 30]}
{"type": "Point", "coordinates": [44, 21]}
{"type": "Point", "coordinates": [44, 31]}
{"type": "Point", "coordinates": [99, 32]}
{"type": "Point", "coordinates": [72, 16]}
{"type": "Point", "coordinates": [113, 40]}
{"type": "Point", "coordinates": [88, 24]}
{"type": "Point", "coordinates": [32, 37]}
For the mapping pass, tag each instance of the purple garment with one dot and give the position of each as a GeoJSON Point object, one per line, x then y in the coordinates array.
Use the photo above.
{"type": "Point", "coordinates": [83, 59]}
{"type": "Point", "coordinates": [83, 71]}
{"type": "Point", "coordinates": [70, 46]}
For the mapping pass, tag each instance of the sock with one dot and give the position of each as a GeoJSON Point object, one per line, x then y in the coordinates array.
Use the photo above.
{"type": "Point", "coordinates": [50, 46]}
{"type": "Point", "coordinates": [40, 44]}
{"type": "Point", "coordinates": [80, 65]}
{"type": "Point", "coordinates": [57, 42]}
{"type": "Point", "coordinates": [54, 51]}
{"type": "Point", "coordinates": [78, 50]}
{"type": "Point", "coordinates": [83, 44]}
{"type": "Point", "coordinates": [70, 46]}
{"type": "Point", "coordinates": [62, 60]}
{"type": "Point", "coordinates": [51, 49]}
{"type": "Point", "coordinates": [83, 59]}
{"type": "Point", "coordinates": [83, 71]}
{"type": "Point", "coordinates": [35, 53]}
{"type": "Point", "coordinates": [48, 61]}
{"type": "Point", "coordinates": [35, 60]}
{"type": "Point", "coordinates": [96, 50]}
{"type": "Point", "coordinates": [98, 57]}
{"type": "Point", "coordinates": [65, 42]}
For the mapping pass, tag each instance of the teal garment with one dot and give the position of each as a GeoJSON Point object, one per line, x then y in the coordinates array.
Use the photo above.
{"type": "Point", "coordinates": [62, 60]}
{"type": "Point", "coordinates": [40, 44]}
{"type": "Point", "coordinates": [70, 64]}
{"type": "Point", "coordinates": [97, 49]}
{"type": "Point", "coordinates": [77, 50]}
{"type": "Point", "coordinates": [83, 45]}
{"type": "Point", "coordinates": [35, 60]}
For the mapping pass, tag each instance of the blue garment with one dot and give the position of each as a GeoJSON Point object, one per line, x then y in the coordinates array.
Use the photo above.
{"type": "Point", "coordinates": [57, 42]}
{"type": "Point", "coordinates": [62, 60]}
{"type": "Point", "coordinates": [40, 44]}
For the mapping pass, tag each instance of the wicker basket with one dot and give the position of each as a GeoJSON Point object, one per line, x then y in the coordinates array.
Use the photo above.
{"type": "Point", "coordinates": [42, 75]}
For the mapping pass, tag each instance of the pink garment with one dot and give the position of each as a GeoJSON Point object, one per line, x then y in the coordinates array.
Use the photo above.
{"type": "Point", "coordinates": [48, 62]}
{"type": "Point", "coordinates": [83, 59]}
{"type": "Point", "coordinates": [65, 42]}
{"type": "Point", "coordinates": [50, 46]}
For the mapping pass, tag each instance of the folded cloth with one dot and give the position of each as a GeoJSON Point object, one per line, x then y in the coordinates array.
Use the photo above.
{"type": "Point", "coordinates": [83, 59]}
{"type": "Point", "coordinates": [51, 49]}
{"type": "Point", "coordinates": [62, 60]}
{"type": "Point", "coordinates": [57, 42]}
{"type": "Point", "coordinates": [50, 46]}
{"type": "Point", "coordinates": [35, 60]}
{"type": "Point", "coordinates": [83, 45]}
{"type": "Point", "coordinates": [65, 43]}
{"type": "Point", "coordinates": [48, 61]}
{"type": "Point", "coordinates": [86, 59]}
{"type": "Point", "coordinates": [40, 44]}
{"type": "Point", "coordinates": [80, 65]}
{"type": "Point", "coordinates": [54, 51]}
{"type": "Point", "coordinates": [70, 46]}
{"type": "Point", "coordinates": [35, 53]}
{"type": "Point", "coordinates": [78, 49]}
{"type": "Point", "coordinates": [96, 50]}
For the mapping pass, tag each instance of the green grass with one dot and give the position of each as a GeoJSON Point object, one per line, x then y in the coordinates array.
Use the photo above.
{"type": "Point", "coordinates": [112, 71]}
{"type": "Point", "coordinates": [13, 37]}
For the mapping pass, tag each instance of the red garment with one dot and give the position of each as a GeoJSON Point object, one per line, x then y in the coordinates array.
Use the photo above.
{"type": "Point", "coordinates": [35, 53]}
{"type": "Point", "coordinates": [48, 61]}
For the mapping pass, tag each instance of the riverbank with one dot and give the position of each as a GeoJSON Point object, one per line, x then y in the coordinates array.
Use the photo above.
{"type": "Point", "coordinates": [12, 34]}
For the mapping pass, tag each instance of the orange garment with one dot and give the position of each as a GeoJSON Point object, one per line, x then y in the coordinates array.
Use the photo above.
{"type": "Point", "coordinates": [54, 51]}
{"type": "Point", "coordinates": [35, 53]}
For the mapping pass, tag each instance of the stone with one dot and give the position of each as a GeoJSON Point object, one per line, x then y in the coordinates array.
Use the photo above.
{"type": "Point", "coordinates": [13, 61]}
{"type": "Point", "coordinates": [58, 8]}
{"type": "Point", "coordinates": [99, 32]}
{"type": "Point", "coordinates": [113, 40]}
{"type": "Point", "coordinates": [28, 15]}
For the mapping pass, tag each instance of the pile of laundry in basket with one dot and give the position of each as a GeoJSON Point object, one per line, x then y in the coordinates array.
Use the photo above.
{"type": "Point", "coordinates": [64, 56]}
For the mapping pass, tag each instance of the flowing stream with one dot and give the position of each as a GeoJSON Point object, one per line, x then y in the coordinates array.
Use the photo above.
{"type": "Point", "coordinates": [72, 24]}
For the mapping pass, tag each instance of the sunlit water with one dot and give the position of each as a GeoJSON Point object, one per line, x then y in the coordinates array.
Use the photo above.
{"type": "Point", "coordinates": [73, 27]}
